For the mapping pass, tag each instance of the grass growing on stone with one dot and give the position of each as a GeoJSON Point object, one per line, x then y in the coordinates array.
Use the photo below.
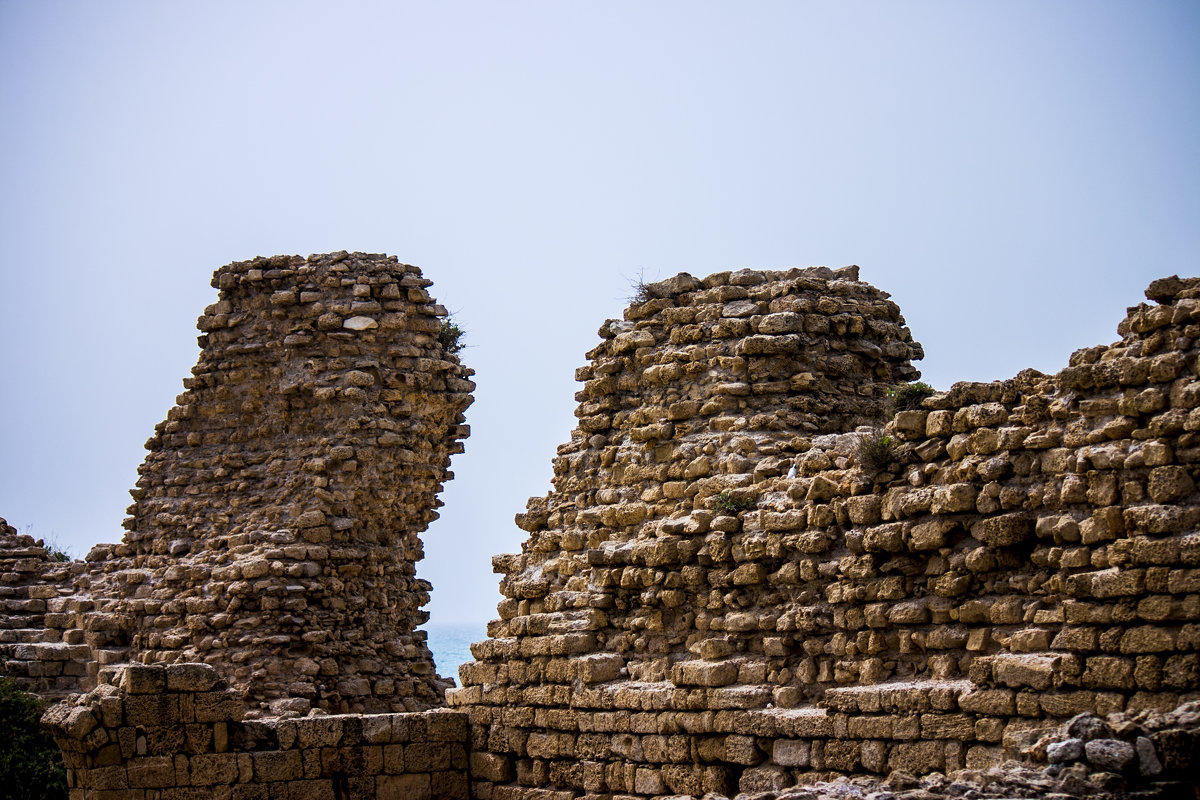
{"type": "Point", "coordinates": [876, 450]}
{"type": "Point", "coordinates": [732, 504]}
{"type": "Point", "coordinates": [908, 396]}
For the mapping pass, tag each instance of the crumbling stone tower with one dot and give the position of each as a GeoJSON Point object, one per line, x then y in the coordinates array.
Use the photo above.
{"type": "Point", "coordinates": [274, 533]}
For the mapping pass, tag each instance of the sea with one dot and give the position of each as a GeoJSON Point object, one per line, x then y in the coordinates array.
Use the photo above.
{"type": "Point", "coordinates": [450, 644]}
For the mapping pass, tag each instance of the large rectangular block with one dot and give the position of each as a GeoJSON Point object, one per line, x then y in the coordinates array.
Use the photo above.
{"type": "Point", "coordinates": [209, 770]}
{"type": "Point", "coordinates": [151, 710]}
{"type": "Point", "coordinates": [791, 752]}
{"type": "Point", "coordinates": [151, 772]}
{"type": "Point", "coordinates": [917, 758]}
{"type": "Point", "coordinates": [403, 787]}
{"type": "Point", "coordinates": [279, 765]}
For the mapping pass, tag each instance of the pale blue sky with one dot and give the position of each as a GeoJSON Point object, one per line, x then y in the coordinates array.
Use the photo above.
{"type": "Point", "coordinates": [1014, 173]}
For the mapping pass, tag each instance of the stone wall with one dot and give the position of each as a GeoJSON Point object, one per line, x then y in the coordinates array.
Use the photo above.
{"type": "Point", "coordinates": [34, 651]}
{"type": "Point", "coordinates": [275, 528]}
{"type": "Point", "coordinates": [177, 733]}
{"type": "Point", "coordinates": [274, 533]}
{"type": "Point", "coordinates": [732, 586]}
{"type": "Point", "coordinates": [753, 570]}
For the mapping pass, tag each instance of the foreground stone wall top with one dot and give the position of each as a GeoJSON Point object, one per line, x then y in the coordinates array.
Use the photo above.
{"type": "Point", "coordinates": [734, 587]}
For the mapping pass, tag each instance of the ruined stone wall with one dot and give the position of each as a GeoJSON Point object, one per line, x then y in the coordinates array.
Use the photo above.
{"type": "Point", "coordinates": [275, 528]}
{"type": "Point", "coordinates": [34, 649]}
{"type": "Point", "coordinates": [177, 732]}
{"type": "Point", "coordinates": [274, 533]}
{"type": "Point", "coordinates": [725, 591]}
{"type": "Point", "coordinates": [752, 570]}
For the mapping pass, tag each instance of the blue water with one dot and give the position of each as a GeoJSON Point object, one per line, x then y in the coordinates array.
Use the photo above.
{"type": "Point", "coordinates": [451, 645]}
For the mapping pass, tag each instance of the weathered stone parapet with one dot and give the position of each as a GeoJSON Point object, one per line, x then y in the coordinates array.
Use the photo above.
{"type": "Point", "coordinates": [177, 731]}
{"type": "Point", "coordinates": [928, 589]}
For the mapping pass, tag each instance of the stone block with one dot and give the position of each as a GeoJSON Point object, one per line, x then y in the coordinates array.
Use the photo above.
{"type": "Point", "coordinates": [190, 677]}
{"type": "Point", "coordinates": [219, 706]}
{"type": "Point", "coordinates": [493, 767]}
{"type": "Point", "coordinates": [446, 726]}
{"type": "Point", "coordinates": [1004, 530]}
{"type": "Point", "coordinates": [143, 679]}
{"type": "Point", "coordinates": [791, 752]}
{"type": "Point", "coordinates": [426, 757]}
{"type": "Point", "coordinates": [151, 710]}
{"type": "Point", "coordinates": [1035, 671]}
{"type": "Point", "coordinates": [1169, 484]}
{"type": "Point", "coordinates": [450, 786]}
{"type": "Point", "coordinates": [704, 673]}
{"type": "Point", "coordinates": [842, 755]}
{"type": "Point", "coordinates": [869, 727]}
{"type": "Point", "coordinates": [209, 770]}
{"type": "Point", "coordinates": [959, 727]}
{"type": "Point", "coordinates": [917, 758]}
{"type": "Point", "coordinates": [766, 778]}
{"type": "Point", "coordinates": [1147, 639]}
{"type": "Point", "coordinates": [993, 702]}
{"type": "Point", "coordinates": [318, 732]}
{"type": "Point", "coordinates": [151, 772]}
{"type": "Point", "coordinates": [278, 766]}
{"type": "Point", "coordinates": [910, 424]}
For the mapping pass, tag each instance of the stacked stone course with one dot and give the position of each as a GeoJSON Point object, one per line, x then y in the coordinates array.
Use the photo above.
{"type": "Point", "coordinates": [33, 651]}
{"type": "Point", "coordinates": [176, 733]}
{"type": "Point", "coordinates": [721, 593]}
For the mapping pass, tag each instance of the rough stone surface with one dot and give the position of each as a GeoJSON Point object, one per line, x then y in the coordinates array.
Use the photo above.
{"type": "Point", "coordinates": [1109, 754]}
{"type": "Point", "coordinates": [749, 573]}
{"type": "Point", "coordinates": [274, 533]}
{"type": "Point", "coordinates": [777, 588]}
{"type": "Point", "coordinates": [197, 743]}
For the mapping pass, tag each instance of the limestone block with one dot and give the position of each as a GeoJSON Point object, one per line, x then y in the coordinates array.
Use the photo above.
{"type": "Point", "coordinates": [1003, 530]}
{"type": "Point", "coordinates": [764, 779]}
{"type": "Point", "coordinates": [141, 679]}
{"type": "Point", "coordinates": [791, 752]}
{"type": "Point", "coordinates": [1035, 671]}
{"type": "Point", "coordinates": [993, 702]}
{"type": "Point", "coordinates": [911, 424]}
{"type": "Point", "coordinates": [403, 787]}
{"type": "Point", "coordinates": [1147, 639]}
{"type": "Point", "coordinates": [212, 769]}
{"type": "Point", "coordinates": [190, 677]}
{"type": "Point", "coordinates": [490, 767]}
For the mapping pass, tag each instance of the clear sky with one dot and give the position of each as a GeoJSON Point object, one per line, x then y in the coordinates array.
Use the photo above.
{"type": "Point", "coordinates": [1014, 172]}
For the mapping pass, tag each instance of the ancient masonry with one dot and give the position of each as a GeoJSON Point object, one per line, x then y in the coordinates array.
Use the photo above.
{"type": "Point", "coordinates": [731, 588]}
{"type": "Point", "coordinates": [753, 571]}
{"type": "Point", "coordinates": [275, 529]}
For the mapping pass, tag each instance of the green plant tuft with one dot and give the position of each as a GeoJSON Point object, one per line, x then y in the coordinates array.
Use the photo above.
{"type": "Point", "coordinates": [450, 336]}
{"type": "Point", "coordinates": [55, 550]}
{"type": "Point", "coordinates": [732, 504]}
{"type": "Point", "coordinates": [876, 450]}
{"type": "Point", "coordinates": [908, 396]}
{"type": "Point", "coordinates": [31, 765]}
